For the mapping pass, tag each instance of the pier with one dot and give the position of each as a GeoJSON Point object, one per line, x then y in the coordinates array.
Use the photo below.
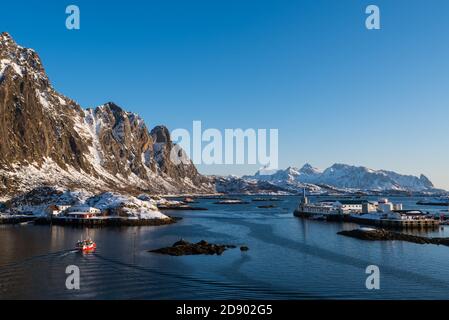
{"type": "Point", "coordinates": [397, 223]}
{"type": "Point", "coordinates": [383, 223]}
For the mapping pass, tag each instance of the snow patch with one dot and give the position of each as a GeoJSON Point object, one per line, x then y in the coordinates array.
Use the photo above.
{"type": "Point", "coordinates": [4, 63]}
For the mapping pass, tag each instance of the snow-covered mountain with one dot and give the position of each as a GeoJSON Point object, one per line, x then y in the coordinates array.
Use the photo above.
{"type": "Point", "coordinates": [48, 139]}
{"type": "Point", "coordinates": [237, 185]}
{"type": "Point", "coordinates": [345, 177]}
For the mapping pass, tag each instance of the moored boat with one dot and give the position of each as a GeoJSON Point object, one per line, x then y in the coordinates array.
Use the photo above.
{"type": "Point", "coordinates": [442, 201]}
{"type": "Point", "coordinates": [319, 211]}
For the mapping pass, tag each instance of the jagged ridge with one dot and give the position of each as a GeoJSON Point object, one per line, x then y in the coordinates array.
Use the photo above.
{"type": "Point", "coordinates": [345, 177]}
{"type": "Point", "coordinates": [48, 139]}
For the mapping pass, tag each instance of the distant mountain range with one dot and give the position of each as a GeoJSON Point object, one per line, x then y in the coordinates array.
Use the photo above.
{"type": "Point", "coordinates": [343, 177]}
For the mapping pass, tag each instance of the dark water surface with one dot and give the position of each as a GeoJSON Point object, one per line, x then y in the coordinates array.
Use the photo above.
{"type": "Point", "coordinates": [289, 258]}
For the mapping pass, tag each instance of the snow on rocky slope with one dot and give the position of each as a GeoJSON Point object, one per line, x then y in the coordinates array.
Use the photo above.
{"type": "Point", "coordinates": [237, 185]}
{"type": "Point", "coordinates": [48, 139]}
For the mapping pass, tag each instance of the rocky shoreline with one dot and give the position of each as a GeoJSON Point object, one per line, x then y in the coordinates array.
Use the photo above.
{"type": "Point", "coordinates": [385, 235]}
{"type": "Point", "coordinates": [109, 222]}
{"type": "Point", "coordinates": [15, 220]}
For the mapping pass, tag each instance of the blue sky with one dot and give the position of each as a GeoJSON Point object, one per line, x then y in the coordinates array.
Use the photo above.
{"type": "Point", "coordinates": [336, 91]}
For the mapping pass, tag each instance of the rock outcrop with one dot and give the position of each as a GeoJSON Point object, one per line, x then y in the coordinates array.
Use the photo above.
{"type": "Point", "coordinates": [182, 247]}
{"type": "Point", "coordinates": [385, 235]}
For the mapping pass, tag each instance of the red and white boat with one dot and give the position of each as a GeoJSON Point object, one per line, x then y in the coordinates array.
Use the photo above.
{"type": "Point", "coordinates": [86, 245]}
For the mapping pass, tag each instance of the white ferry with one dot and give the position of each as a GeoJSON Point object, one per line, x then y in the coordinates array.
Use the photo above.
{"type": "Point", "coordinates": [317, 209]}
{"type": "Point", "coordinates": [329, 208]}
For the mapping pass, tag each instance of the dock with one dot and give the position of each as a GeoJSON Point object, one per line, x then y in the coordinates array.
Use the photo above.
{"type": "Point", "coordinates": [397, 223]}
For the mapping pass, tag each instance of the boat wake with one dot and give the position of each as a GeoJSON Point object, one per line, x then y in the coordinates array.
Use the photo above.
{"type": "Point", "coordinates": [68, 252]}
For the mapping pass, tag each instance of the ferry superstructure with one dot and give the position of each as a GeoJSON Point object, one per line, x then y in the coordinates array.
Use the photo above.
{"type": "Point", "coordinates": [330, 208]}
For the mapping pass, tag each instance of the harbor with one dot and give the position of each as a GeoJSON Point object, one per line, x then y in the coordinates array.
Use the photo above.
{"type": "Point", "coordinates": [381, 213]}
{"type": "Point", "coordinates": [121, 267]}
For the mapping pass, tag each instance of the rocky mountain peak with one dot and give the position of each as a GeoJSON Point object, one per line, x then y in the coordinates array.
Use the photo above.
{"type": "Point", "coordinates": [22, 69]}
{"type": "Point", "coordinates": [338, 166]}
{"type": "Point", "coordinates": [48, 139]}
{"type": "Point", "coordinates": [6, 37]}
{"type": "Point", "coordinates": [426, 181]}
{"type": "Point", "coordinates": [160, 134]}
{"type": "Point", "coordinates": [308, 169]}
{"type": "Point", "coordinates": [112, 107]}
{"type": "Point", "coordinates": [23, 60]}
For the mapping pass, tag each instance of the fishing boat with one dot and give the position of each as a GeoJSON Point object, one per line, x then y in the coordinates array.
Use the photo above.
{"type": "Point", "coordinates": [86, 245]}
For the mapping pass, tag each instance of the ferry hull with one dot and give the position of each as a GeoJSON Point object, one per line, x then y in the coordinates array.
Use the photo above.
{"type": "Point", "coordinates": [328, 217]}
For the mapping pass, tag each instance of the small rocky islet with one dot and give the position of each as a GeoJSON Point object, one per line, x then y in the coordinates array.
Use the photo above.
{"type": "Point", "coordinates": [370, 234]}
{"type": "Point", "coordinates": [183, 247]}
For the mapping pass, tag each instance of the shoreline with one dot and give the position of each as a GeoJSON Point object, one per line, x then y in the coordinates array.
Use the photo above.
{"type": "Point", "coordinates": [108, 222]}
{"type": "Point", "coordinates": [16, 220]}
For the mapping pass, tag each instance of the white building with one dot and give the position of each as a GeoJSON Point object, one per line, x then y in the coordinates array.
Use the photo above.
{"type": "Point", "coordinates": [64, 207]}
{"type": "Point", "coordinates": [55, 210]}
{"type": "Point", "coordinates": [81, 215]}
{"type": "Point", "coordinates": [386, 206]}
{"type": "Point", "coordinates": [85, 209]}
{"type": "Point", "coordinates": [350, 205]}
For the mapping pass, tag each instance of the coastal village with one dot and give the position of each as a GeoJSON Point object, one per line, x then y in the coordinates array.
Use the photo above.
{"type": "Point", "coordinates": [51, 205]}
{"type": "Point", "coordinates": [54, 206]}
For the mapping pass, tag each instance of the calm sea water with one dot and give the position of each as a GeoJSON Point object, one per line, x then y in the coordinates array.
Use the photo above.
{"type": "Point", "coordinates": [289, 258]}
